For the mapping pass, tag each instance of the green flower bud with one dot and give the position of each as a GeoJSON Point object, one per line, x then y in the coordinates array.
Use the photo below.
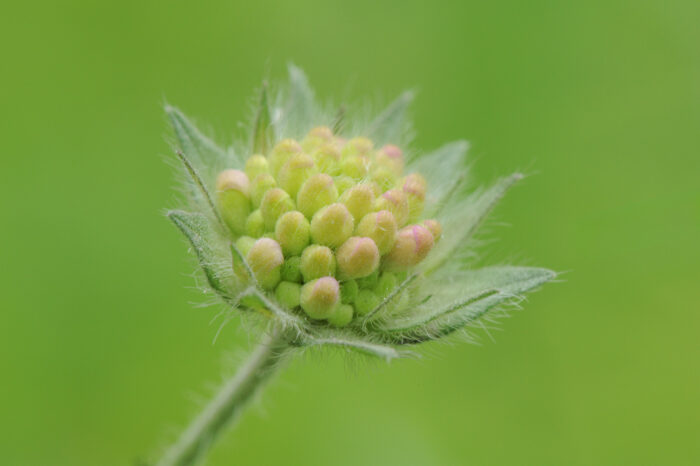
{"type": "Point", "coordinates": [288, 294]}
{"type": "Point", "coordinates": [359, 200]}
{"type": "Point", "coordinates": [396, 202]}
{"type": "Point", "coordinates": [381, 227]}
{"type": "Point", "coordinates": [384, 177]}
{"type": "Point", "coordinates": [255, 225]}
{"type": "Point", "coordinates": [348, 291]}
{"type": "Point", "coordinates": [317, 137]}
{"type": "Point", "coordinates": [342, 316]}
{"type": "Point", "coordinates": [320, 297]}
{"type": "Point", "coordinates": [316, 192]}
{"type": "Point", "coordinates": [368, 282]}
{"type": "Point", "coordinates": [259, 186]}
{"type": "Point", "coordinates": [291, 270]}
{"type": "Point", "coordinates": [366, 301]}
{"type": "Point", "coordinates": [275, 202]}
{"type": "Point", "coordinates": [265, 259]}
{"type": "Point", "coordinates": [358, 146]}
{"type": "Point", "coordinates": [357, 258]}
{"type": "Point", "coordinates": [243, 244]}
{"type": "Point", "coordinates": [317, 261]}
{"type": "Point", "coordinates": [343, 183]}
{"type": "Point", "coordinates": [413, 243]}
{"type": "Point", "coordinates": [232, 191]}
{"type": "Point", "coordinates": [434, 227]}
{"type": "Point", "coordinates": [293, 173]}
{"type": "Point", "coordinates": [292, 233]}
{"type": "Point", "coordinates": [282, 152]}
{"type": "Point", "coordinates": [386, 283]}
{"type": "Point", "coordinates": [355, 166]}
{"type": "Point", "coordinates": [414, 185]}
{"type": "Point", "coordinates": [391, 158]}
{"type": "Point", "coordinates": [256, 165]}
{"type": "Point", "coordinates": [327, 159]}
{"type": "Point", "coordinates": [331, 225]}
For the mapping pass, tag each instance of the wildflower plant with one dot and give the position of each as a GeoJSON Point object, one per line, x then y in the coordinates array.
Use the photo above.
{"type": "Point", "coordinates": [329, 232]}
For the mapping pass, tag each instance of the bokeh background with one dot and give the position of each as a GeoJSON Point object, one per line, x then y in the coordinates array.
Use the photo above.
{"type": "Point", "coordinates": [104, 356]}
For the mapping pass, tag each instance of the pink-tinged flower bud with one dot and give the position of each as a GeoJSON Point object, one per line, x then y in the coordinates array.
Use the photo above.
{"type": "Point", "coordinates": [275, 202]}
{"type": "Point", "coordinates": [317, 137]}
{"type": "Point", "coordinates": [366, 302]}
{"type": "Point", "coordinates": [414, 185]}
{"type": "Point", "coordinates": [317, 261]}
{"type": "Point", "coordinates": [259, 186]}
{"type": "Point", "coordinates": [343, 183]}
{"type": "Point", "coordinates": [434, 227]}
{"type": "Point", "coordinates": [355, 166]}
{"type": "Point", "coordinates": [390, 157]}
{"type": "Point", "coordinates": [413, 243]}
{"type": "Point", "coordinates": [265, 259]}
{"type": "Point", "coordinates": [292, 233]}
{"type": "Point", "coordinates": [396, 202]}
{"type": "Point", "coordinates": [293, 173]}
{"type": "Point", "coordinates": [332, 225]}
{"type": "Point", "coordinates": [282, 152]}
{"type": "Point", "coordinates": [320, 297]}
{"type": "Point", "coordinates": [327, 159]}
{"type": "Point", "coordinates": [384, 177]}
{"type": "Point", "coordinates": [255, 225]}
{"type": "Point", "coordinates": [342, 315]}
{"type": "Point", "coordinates": [358, 146]}
{"type": "Point", "coordinates": [232, 194]}
{"type": "Point", "coordinates": [256, 165]}
{"type": "Point", "coordinates": [288, 294]}
{"type": "Point", "coordinates": [359, 200]}
{"type": "Point", "coordinates": [357, 258]}
{"type": "Point", "coordinates": [316, 192]}
{"type": "Point", "coordinates": [381, 227]}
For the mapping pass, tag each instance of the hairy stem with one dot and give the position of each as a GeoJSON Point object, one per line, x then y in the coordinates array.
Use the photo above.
{"type": "Point", "coordinates": [228, 403]}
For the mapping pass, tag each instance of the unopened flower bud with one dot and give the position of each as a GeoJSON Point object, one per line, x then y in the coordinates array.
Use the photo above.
{"type": "Point", "coordinates": [391, 157]}
{"type": "Point", "coordinates": [332, 225]}
{"type": "Point", "coordinates": [291, 270]}
{"type": "Point", "coordinates": [359, 200]}
{"type": "Point", "coordinates": [288, 294]}
{"type": "Point", "coordinates": [384, 177]}
{"type": "Point", "coordinates": [386, 284]}
{"type": "Point", "coordinates": [317, 137]}
{"type": "Point", "coordinates": [343, 183]}
{"type": "Point", "coordinates": [434, 227]}
{"type": "Point", "coordinates": [292, 233]}
{"type": "Point", "coordinates": [320, 297]}
{"type": "Point", "coordinates": [327, 159]}
{"type": "Point", "coordinates": [381, 227]}
{"type": "Point", "coordinates": [317, 261]}
{"type": "Point", "coordinates": [414, 185]}
{"type": "Point", "coordinates": [316, 192]}
{"type": "Point", "coordinates": [293, 173]}
{"type": "Point", "coordinates": [259, 186]}
{"type": "Point", "coordinates": [244, 243]}
{"type": "Point", "coordinates": [275, 202]}
{"type": "Point", "coordinates": [358, 146]}
{"type": "Point", "coordinates": [368, 282]}
{"type": "Point", "coordinates": [413, 243]}
{"type": "Point", "coordinates": [255, 225]}
{"type": "Point", "coordinates": [357, 258]}
{"type": "Point", "coordinates": [282, 152]}
{"type": "Point", "coordinates": [256, 165]}
{"type": "Point", "coordinates": [265, 259]}
{"type": "Point", "coordinates": [355, 166]}
{"type": "Point", "coordinates": [342, 315]}
{"type": "Point", "coordinates": [348, 291]}
{"type": "Point", "coordinates": [396, 202]}
{"type": "Point", "coordinates": [366, 302]}
{"type": "Point", "coordinates": [232, 193]}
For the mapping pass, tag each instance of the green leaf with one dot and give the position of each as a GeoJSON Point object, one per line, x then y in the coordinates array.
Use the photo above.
{"type": "Point", "coordinates": [197, 229]}
{"type": "Point", "coordinates": [392, 124]}
{"type": "Point", "coordinates": [461, 299]}
{"type": "Point", "coordinates": [351, 343]}
{"type": "Point", "coordinates": [263, 121]}
{"type": "Point", "coordinates": [300, 106]}
{"type": "Point", "coordinates": [460, 220]}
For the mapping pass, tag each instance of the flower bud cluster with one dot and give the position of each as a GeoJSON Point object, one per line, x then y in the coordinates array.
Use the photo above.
{"type": "Point", "coordinates": [329, 226]}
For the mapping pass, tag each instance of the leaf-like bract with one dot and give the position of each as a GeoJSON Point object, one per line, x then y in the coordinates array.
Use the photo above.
{"type": "Point", "coordinates": [348, 342]}
{"type": "Point", "coordinates": [391, 124]}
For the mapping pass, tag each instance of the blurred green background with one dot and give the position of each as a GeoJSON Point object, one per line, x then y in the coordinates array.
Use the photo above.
{"type": "Point", "coordinates": [103, 355]}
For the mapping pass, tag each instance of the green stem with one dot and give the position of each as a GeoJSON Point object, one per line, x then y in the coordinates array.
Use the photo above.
{"type": "Point", "coordinates": [228, 403]}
